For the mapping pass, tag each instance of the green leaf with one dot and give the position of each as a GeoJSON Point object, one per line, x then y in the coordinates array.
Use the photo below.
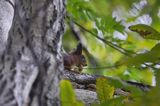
{"type": "Point", "coordinates": [145, 31]}
{"type": "Point", "coordinates": [150, 98]}
{"type": "Point", "coordinates": [119, 27]}
{"type": "Point", "coordinates": [119, 101]}
{"type": "Point", "coordinates": [111, 25]}
{"type": "Point", "coordinates": [67, 94]}
{"type": "Point", "coordinates": [104, 90]}
{"type": "Point", "coordinates": [158, 79]}
{"type": "Point", "coordinates": [150, 56]}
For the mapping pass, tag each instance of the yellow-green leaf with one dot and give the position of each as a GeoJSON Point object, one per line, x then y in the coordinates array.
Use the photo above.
{"type": "Point", "coordinates": [67, 94]}
{"type": "Point", "coordinates": [104, 90]}
{"type": "Point", "coordinates": [145, 31]}
{"type": "Point", "coordinates": [151, 56]}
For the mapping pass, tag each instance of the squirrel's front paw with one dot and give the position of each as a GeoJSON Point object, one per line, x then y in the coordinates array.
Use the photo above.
{"type": "Point", "coordinates": [75, 69]}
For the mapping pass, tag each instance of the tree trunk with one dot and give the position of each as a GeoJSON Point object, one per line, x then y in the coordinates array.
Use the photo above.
{"type": "Point", "coordinates": [31, 66]}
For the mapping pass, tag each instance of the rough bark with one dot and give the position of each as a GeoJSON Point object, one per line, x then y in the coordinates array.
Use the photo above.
{"type": "Point", "coordinates": [6, 17]}
{"type": "Point", "coordinates": [31, 65]}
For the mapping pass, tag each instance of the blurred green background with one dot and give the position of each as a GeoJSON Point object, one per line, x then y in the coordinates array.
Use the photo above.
{"type": "Point", "coordinates": [109, 20]}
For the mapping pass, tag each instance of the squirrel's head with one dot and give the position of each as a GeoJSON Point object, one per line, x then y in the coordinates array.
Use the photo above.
{"type": "Point", "coordinates": [83, 60]}
{"type": "Point", "coordinates": [75, 59]}
{"type": "Point", "coordinates": [79, 55]}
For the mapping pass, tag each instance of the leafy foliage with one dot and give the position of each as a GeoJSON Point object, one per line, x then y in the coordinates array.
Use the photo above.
{"type": "Point", "coordinates": [112, 102]}
{"type": "Point", "coordinates": [145, 31]}
{"type": "Point", "coordinates": [104, 90]}
{"type": "Point", "coordinates": [151, 98]}
{"type": "Point", "coordinates": [107, 29]}
{"type": "Point", "coordinates": [67, 95]}
{"type": "Point", "coordinates": [151, 56]}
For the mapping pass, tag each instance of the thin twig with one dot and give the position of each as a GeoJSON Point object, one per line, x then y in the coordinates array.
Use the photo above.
{"type": "Point", "coordinates": [116, 47]}
{"type": "Point", "coordinates": [103, 67]}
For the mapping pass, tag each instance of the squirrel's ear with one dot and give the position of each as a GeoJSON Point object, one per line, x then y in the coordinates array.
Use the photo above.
{"type": "Point", "coordinates": [79, 49]}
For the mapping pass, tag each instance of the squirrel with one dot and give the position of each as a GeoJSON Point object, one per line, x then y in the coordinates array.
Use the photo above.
{"type": "Point", "coordinates": [75, 60]}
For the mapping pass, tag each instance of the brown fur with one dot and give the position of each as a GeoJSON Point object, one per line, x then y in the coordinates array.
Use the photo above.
{"type": "Point", "coordinates": [75, 60]}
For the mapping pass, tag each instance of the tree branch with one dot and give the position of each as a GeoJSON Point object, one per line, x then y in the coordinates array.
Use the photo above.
{"type": "Point", "coordinates": [86, 79]}
{"type": "Point", "coordinates": [114, 46]}
{"type": "Point", "coordinates": [85, 87]}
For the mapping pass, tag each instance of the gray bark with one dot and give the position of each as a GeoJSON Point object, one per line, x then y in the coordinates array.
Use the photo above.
{"type": "Point", "coordinates": [31, 65]}
{"type": "Point", "coordinates": [6, 17]}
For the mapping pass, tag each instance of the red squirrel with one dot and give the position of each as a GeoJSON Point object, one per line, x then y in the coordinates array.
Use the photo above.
{"type": "Point", "coordinates": [75, 60]}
